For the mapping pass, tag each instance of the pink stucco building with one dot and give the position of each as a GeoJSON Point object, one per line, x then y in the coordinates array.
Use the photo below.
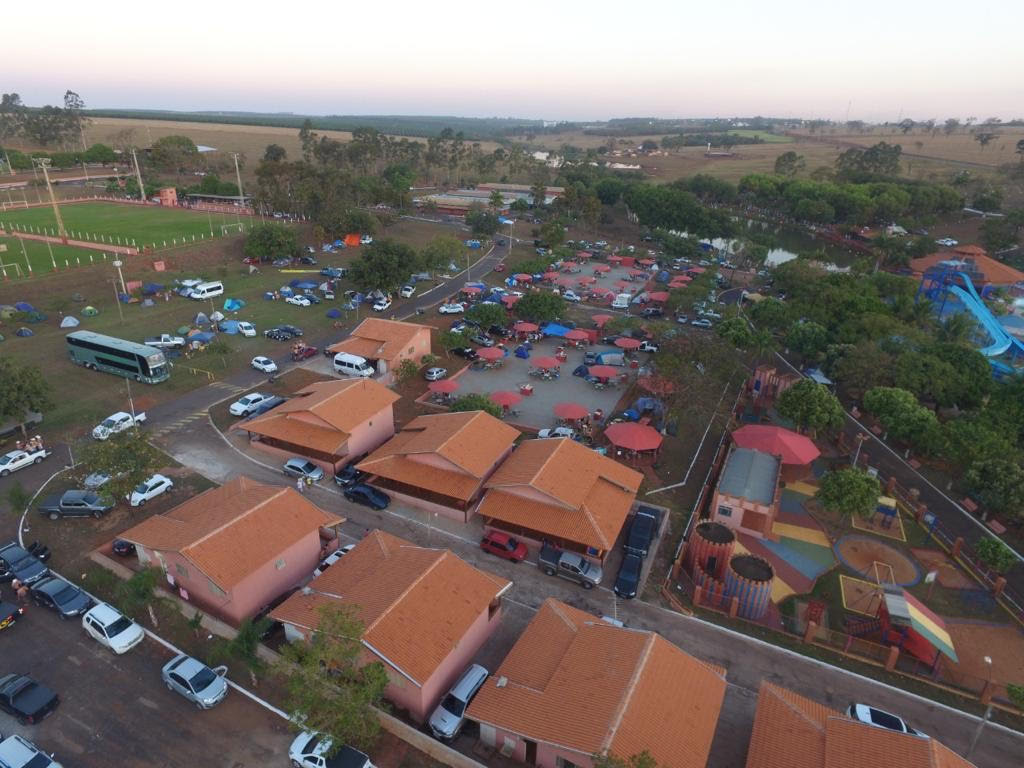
{"type": "Point", "coordinates": [425, 612]}
{"type": "Point", "coordinates": [747, 496]}
{"type": "Point", "coordinates": [233, 549]}
{"type": "Point", "coordinates": [329, 422]}
{"type": "Point", "coordinates": [386, 343]}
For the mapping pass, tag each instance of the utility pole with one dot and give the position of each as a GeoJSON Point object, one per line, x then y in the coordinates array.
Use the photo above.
{"type": "Point", "coordinates": [8, 160]}
{"type": "Point", "coordinates": [138, 176]}
{"type": "Point", "coordinates": [117, 299]}
{"type": "Point", "coordinates": [238, 176]}
{"type": "Point", "coordinates": [44, 163]}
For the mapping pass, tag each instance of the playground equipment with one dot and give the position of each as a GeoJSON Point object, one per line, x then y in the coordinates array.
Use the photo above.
{"type": "Point", "coordinates": [937, 283]}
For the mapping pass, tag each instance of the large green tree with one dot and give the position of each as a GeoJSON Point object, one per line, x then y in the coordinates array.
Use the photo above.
{"type": "Point", "coordinates": [482, 222]}
{"type": "Point", "coordinates": [789, 164]}
{"type": "Point", "coordinates": [330, 690]}
{"type": "Point", "coordinates": [127, 457]}
{"type": "Point", "coordinates": [552, 233]}
{"type": "Point", "coordinates": [539, 307]}
{"type": "Point", "coordinates": [383, 266]}
{"type": "Point", "coordinates": [904, 417]}
{"type": "Point", "coordinates": [999, 485]}
{"type": "Point", "coordinates": [174, 154]}
{"type": "Point", "coordinates": [474, 402]}
{"type": "Point", "coordinates": [440, 252]}
{"type": "Point", "coordinates": [270, 240]}
{"type": "Point", "coordinates": [487, 314]}
{"type": "Point", "coordinates": [23, 388]}
{"type": "Point", "coordinates": [808, 339]}
{"type": "Point", "coordinates": [849, 492]}
{"type": "Point", "coordinates": [811, 406]}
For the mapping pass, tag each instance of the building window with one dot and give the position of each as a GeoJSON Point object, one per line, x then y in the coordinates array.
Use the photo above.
{"type": "Point", "coordinates": [280, 564]}
{"type": "Point", "coordinates": [561, 762]}
{"type": "Point", "coordinates": [215, 589]}
{"type": "Point", "coordinates": [724, 512]}
{"type": "Point", "coordinates": [181, 570]}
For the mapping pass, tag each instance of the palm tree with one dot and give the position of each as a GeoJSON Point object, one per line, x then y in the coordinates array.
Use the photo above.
{"type": "Point", "coordinates": [762, 344]}
{"type": "Point", "coordinates": [956, 329]}
{"type": "Point", "coordinates": [497, 201]}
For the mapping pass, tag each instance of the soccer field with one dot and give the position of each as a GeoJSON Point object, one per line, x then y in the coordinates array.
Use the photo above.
{"type": "Point", "coordinates": [145, 225]}
{"type": "Point", "coordinates": [13, 260]}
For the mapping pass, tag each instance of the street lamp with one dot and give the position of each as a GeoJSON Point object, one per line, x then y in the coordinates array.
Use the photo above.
{"type": "Point", "coordinates": [118, 263]}
{"type": "Point", "coordinates": [988, 710]}
{"type": "Point", "coordinates": [861, 439]}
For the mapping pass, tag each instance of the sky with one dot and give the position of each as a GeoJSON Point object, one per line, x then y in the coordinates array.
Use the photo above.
{"type": "Point", "coordinates": [555, 60]}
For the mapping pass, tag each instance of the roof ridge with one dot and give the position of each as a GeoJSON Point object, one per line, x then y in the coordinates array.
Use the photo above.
{"type": "Point", "coordinates": [634, 680]}
{"type": "Point", "coordinates": [817, 725]}
{"type": "Point", "coordinates": [409, 587]}
{"type": "Point", "coordinates": [555, 605]}
{"type": "Point", "coordinates": [585, 509]}
{"type": "Point", "coordinates": [243, 514]}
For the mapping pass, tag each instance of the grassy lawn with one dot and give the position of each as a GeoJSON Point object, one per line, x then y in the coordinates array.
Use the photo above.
{"type": "Point", "coordinates": [38, 256]}
{"type": "Point", "coordinates": [768, 138]}
{"type": "Point", "coordinates": [141, 225]}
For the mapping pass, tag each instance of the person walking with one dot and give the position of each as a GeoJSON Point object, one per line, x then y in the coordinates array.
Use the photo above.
{"type": "Point", "coordinates": [299, 485]}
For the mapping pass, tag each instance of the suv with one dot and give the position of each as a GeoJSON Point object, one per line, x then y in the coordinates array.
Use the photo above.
{"type": "Point", "coordinates": [569, 565]}
{"type": "Point", "coordinates": [450, 715]}
{"type": "Point", "coordinates": [18, 563]}
{"type": "Point", "coordinates": [642, 530]}
{"type": "Point", "coordinates": [16, 752]}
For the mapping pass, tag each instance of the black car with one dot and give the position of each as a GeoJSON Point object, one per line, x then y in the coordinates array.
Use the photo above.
{"type": "Point", "coordinates": [502, 243]}
{"type": "Point", "coordinates": [642, 530]}
{"type": "Point", "coordinates": [266, 405]}
{"type": "Point", "coordinates": [467, 352]}
{"type": "Point", "coordinates": [360, 493]}
{"type": "Point", "coordinates": [25, 699]}
{"type": "Point", "coordinates": [277, 334]}
{"type": "Point", "coordinates": [312, 298]}
{"type": "Point", "coordinates": [309, 261]}
{"type": "Point", "coordinates": [652, 312]}
{"type": "Point", "coordinates": [9, 614]}
{"type": "Point", "coordinates": [628, 580]}
{"type": "Point", "coordinates": [18, 563]}
{"type": "Point", "coordinates": [348, 476]}
{"type": "Point", "coordinates": [67, 599]}
{"type": "Point", "coordinates": [291, 329]}
{"type": "Point", "coordinates": [75, 504]}
{"type": "Point", "coordinates": [501, 332]}
{"type": "Point", "coordinates": [265, 625]}
{"type": "Point", "coordinates": [610, 340]}
{"type": "Point", "coordinates": [123, 548]}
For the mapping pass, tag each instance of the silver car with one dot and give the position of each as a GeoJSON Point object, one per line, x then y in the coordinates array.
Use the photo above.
{"type": "Point", "coordinates": [201, 685]}
{"type": "Point", "coordinates": [299, 467]}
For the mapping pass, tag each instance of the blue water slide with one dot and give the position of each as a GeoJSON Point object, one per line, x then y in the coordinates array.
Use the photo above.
{"type": "Point", "coordinates": [1001, 340]}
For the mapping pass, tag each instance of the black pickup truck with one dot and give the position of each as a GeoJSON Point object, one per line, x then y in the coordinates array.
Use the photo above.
{"type": "Point", "coordinates": [75, 504]}
{"type": "Point", "coordinates": [25, 699]}
{"type": "Point", "coordinates": [642, 530]}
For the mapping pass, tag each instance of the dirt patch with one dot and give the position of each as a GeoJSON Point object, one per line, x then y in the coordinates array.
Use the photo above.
{"type": "Point", "coordinates": [973, 641]}
{"type": "Point", "coordinates": [949, 575]}
{"type": "Point", "coordinates": [860, 553]}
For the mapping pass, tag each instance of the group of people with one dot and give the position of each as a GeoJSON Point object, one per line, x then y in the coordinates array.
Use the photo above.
{"type": "Point", "coordinates": [20, 591]}
{"type": "Point", "coordinates": [32, 445]}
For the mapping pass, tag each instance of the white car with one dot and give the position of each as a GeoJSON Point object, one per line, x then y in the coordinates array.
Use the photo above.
{"type": "Point", "coordinates": [149, 489]}
{"type": "Point", "coordinates": [111, 629]}
{"type": "Point", "coordinates": [264, 364]}
{"type": "Point", "coordinates": [15, 460]}
{"type": "Point", "coordinates": [246, 329]}
{"type": "Point", "coordinates": [381, 305]}
{"type": "Point", "coordinates": [308, 750]}
{"type": "Point", "coordinates": [451, 309]}
{"type": "Point", "coordinates": [949, 242]}
{"type": "Point", "coordinates": [879, 718]}
{"type": "Point", "coordinates": [407, 291]}
{"type": "Point", "coordinates": [298, 301]}
{"type": "Point", "coordinates": [366, 240]}
{"type": "Point", "coordinates": [116, 422]}
{"type": "Point", "coordinates": [332, 558]}
{"type": "Point", "coordinates": [558, 432]}
{"type": "Point", "coordinates": [571, 296]}
{"type": "Point", "coordinates": [246, 405]}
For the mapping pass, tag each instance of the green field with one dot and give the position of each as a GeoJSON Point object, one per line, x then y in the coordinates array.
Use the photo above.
{"type": "Point", "coordinates": [143, 225]}
{"type": "Point", "coordinates": [767, 138]}
{"type": "Point", "coordinates": [12, 262]}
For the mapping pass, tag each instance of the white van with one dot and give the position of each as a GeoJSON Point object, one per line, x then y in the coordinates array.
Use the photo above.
{"type": "Point", "coordinates": [207, 290]}
{"type": "Point", "coordinates": [352, 365]}
{"type": "Point", "coordinates": [622, 301]}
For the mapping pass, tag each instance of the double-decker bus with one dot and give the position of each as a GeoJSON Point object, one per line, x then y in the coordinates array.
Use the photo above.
{"type": "Point", "coordinates": [117, 356]}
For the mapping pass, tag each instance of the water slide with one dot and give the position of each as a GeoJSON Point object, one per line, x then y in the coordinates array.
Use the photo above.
{"type": "Point", "coordinates": [1001, 340]}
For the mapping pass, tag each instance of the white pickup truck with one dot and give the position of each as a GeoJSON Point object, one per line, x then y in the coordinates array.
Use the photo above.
{"type": "Point", "coordinates": [165, 341]}
{"type": "Point", "coordinates": [117, 422]}
{"type": "Point", "coordinates": [15, 460]}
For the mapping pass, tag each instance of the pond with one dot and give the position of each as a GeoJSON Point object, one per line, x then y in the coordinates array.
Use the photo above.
{"type": "Point", "coordinates": [787, 243]}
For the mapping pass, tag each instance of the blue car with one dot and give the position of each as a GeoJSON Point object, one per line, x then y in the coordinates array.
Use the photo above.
{"type": "Point", "coordinates": [367, 496]}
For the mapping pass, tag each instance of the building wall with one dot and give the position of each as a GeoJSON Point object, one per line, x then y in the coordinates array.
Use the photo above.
{"type": "Point", "coordinates": [374, 432]}
{"type": "Point", "coordinates": [547, 754]}
{"type": "Point", "coordinates": [427, 506]}
{"type": "Point", "coordinates": [743, 510]}
{"type": "Point", "coordinates": [284, 455]}
{"type": "Point", "coordinates": [252, 593]}
{"type": "Point", "coordinates": [415, 350]}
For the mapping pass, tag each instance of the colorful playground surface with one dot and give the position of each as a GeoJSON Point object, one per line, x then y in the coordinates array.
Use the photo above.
{"type": "Point", "coordinates": [876, 560]}
{"type": "Point", "coordinates": [799, 551]}
{"type": "Point", "coordinates": [890, 526]}
{"type": "Point", "coordinates": [860, 596]}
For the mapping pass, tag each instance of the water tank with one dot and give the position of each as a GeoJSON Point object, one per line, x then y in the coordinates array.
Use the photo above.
{"type": "Point", "coordinates": [710, 548]}
{"type": "Point", "coordinates": [749, 578]}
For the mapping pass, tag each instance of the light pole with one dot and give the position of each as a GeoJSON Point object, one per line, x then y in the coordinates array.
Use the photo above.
{"type": "Point", "coordinates": [117, 299]}
{"type": "Point", "coordinates": [118, 263]}
{"type": "Point", "coordinates": [138, 174]}
{"type": "Point", "coordinates": [861, 439]}
{"type": "Point", "coordinates": [988, 712]}
{"type": "Point", "coordinates": [44, 163]}
{"type": "Point", "coordinates": [238, 176]}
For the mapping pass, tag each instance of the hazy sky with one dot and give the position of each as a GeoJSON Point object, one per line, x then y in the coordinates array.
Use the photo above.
{"type": "Point", "coordinates": [560, 59]}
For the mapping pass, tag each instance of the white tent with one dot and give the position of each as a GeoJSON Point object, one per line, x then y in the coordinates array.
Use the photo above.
{"type": "Point", "coordinates": [69, 322]}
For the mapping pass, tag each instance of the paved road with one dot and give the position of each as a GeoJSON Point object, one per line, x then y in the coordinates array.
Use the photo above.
{"type": "Point", "coordinates": [116, 711]}
{"type": "Point", "coordinates": [748, 662]}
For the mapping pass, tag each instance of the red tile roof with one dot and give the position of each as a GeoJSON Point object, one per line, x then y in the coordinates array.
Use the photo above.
{"type": "Point", "coordinates": [378, 338]}
{"type": "Point", "coordinates": [583, 496]}
{"type": "Point", "coordinates": [994, 272]}
{"type": "Point", "coordinates": [579, 683]}
{"type": "Point", "coordinates": [415, 603]}
{"type": "Point", "coordinates": [231, 531]}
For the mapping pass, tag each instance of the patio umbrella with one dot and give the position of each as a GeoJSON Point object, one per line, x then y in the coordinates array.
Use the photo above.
{"type": "Point", "coordinates": [621, 285]}
{"type": "Point", "coordinates": [550, 275]}
{"type": "Point", "coordinates": [577, 334]}
{"type": "Point", "coordinates": [587, 280]}
{"type": "Point", "coordinates": [658, 296]}
{"type": "Point", "coordinates": [614, 259]}
{"type": "Point", "coordinates": [646, 262]}
{"type": "Point", "coordinates": [697, 270]}
{"type": "Point", "coordinates": [525, 327]}
{"type": "Point", "coordinates": [546, 362]}
{"type": "Point", "coordinates": [638, 273]}
{"type": "Point", "coordinates": [564, 280]}
{"type": "Point", "coordinates": [603, 371]}
{"type": "Point", "coordinates": [633, 436]}
{"type": "Point", "coordinates": [490, 353]}
{"type": "Point", "coordinates": [506, 399]}
{"type": "Point", "coordinates": [624, 342]}
{"type": "Point", "coordinates": [444, 386]}
{"type": "Point", "coordinates": [583, 254]}
{"type": "Point", "coordinates": [793, 448]}
{"type": "Point", "coordinates": [602, 268]}
{"type": "Point", "coordinates": [509, 300]}
{"type": "Point", "coordinates": [570, 411]}
{"type": "Point", "coordinates": [656, 385]}
{"type": "Point", "coordinates": [522, 277]}
{"type": "Point", "coordinates": [471, 289]}
{"type": "Point", "coordinates": [600, 320]}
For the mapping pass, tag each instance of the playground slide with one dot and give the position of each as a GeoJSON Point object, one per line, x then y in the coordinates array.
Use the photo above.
{"type": "Point", "coordinates": [1001, 340]}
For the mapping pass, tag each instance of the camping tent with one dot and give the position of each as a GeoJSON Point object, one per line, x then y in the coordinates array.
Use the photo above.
{"type": "Point", "coordinates": [148, 302]}
{"type": "Point", "coordinates": [90, 311]}
{"type": "Point", "coordinates": [233, 305]}
{"type": "Point", "coordinates": [23, 331]}
{"type": "Point", "coordinates": [6, 311]}
{"type": "Point", "coordinates": [217, 317]}
{"type": "Point", "coordinates": [183, 330]}
{"type": "Point", "coordinates": [24, 306]}
{"type": "Point", "coordinates": [34, 317]}
{"type": "Point", "coordinates": [200, 339]}
{"type": "Point", "coordinates": [303, 284]}
{"type": "Point", "coordinates": [69, 322]}
{"type": "Point", "coordinates": [351, 241]}
{"type": "Point", "coordinates": [151, 289]}
{"type": "Point", "coordinates": [229, 326]}
{"type": "Point", "coordinates": [201, 319]}
{"type": "Point", "coordinates": [334, 313]}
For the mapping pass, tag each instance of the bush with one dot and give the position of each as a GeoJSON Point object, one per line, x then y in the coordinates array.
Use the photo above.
{"type": "Point", "coordinates": [136, 593]}
{"type": "Point", "coordinates": [476, 403]}
{"type": "Point", "coordinates": [995, 554]}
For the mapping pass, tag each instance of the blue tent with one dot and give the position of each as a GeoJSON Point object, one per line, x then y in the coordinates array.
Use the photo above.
{"type": "Point", "coordinates": [286, 291]}
{"type": "Point", "coordinates": [334, 313]}
{"type": "Point", "coordinates": [24, 306]}
{"type": "Point", "coordinates": [304, 284]}
{"type": "Point", "coordinates": [23, 331]}
{"type": "Point", "coordinates": [554, 329]}
{"type": "Point", "coordinates": [149, 289]}
{"type": "Point", "coordinates": [229, 326]}
{"type": "Point", "coordinates": [201, 319]}
{"type": "Point", "coordinates": [339, 243]}
{"type": "Point", "coordinates": [662, 277]}
{"type": "Point", "coordinates": [203, 337]}
{"type": "Point", "coordinates": [233, 305]}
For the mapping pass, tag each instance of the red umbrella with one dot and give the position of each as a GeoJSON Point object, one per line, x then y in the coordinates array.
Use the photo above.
{"type": "Point", "coordinates": [577, 334]}
{"type": "Point", "coordinates": [658, 296]}
{"type": "Point", "coordinates": [550, 275]}
{"type": "Point", "coordinates": [697, 270]}
{"type": "Point", "coordinates": [656, 385]}
{"type": "Point", "coordinates": [583, 254]}
{"type": "Point", "coordinates": [600, 320]}
{"type": "Point", "coordinates": [587, 280]}
{"type": "Point", "coordinates": [490, 353]}
{"type": "Point", "coordinates": [522, 277]}
{"type": "Point", "coordinates": [524, 327]}
{"type": "Point", "coordinates": [793, 448]}
{"type": "Point", "coordinates": [638, 273]}
{"type": "Point", "coordinates": [564, 280]}
{"type": "Point", "coordinates": [602, 268]}
{"type": "Point", "coordinates": [570, 411]}
{"type": "Point", "coordinates": [621, 284]}
{"type": "Point", "coordinates": [633, 436]}
{"type": "Point", "coordinates": [624, 342]}
{"type": "Point", "coordinates": [603, 371]}
{"type": "Point", "coordinates": [509, 300]}
{"type": "Point", "coordinates": [646, 262]}
{"type": "Point", "coordinates": [444, 386]}
{"type": "Point", "coordinates": [598, 290]}
{"type": "Point", "coordinates": [614, 259]}
{"type": "Point", "coordinates": [471, 289]}
{"type": "Point", "coordinates": [545, 362]}
{"type": "Point", "coordinates": [506, 399]}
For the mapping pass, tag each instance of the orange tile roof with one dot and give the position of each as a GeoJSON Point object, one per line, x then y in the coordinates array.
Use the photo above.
{"type": "Point", "coordinates": [416, 603]}
{"type": "Point", "coordinates": [791, 731]}
{"type": "Point", "coordinates": [589, 495]}
{"type": "Point", "coordinates": [384, 339]}
{"type": "Point", "coordinates": [233, 530]}
{"type": "Point", "coordinates": [323, 414]}
{"type": "Point", "coordinates": [576, 682]}
{"type": "Point", "coordinates": [970, 250]}
{"type": "Point", "coordinates": [994, 272]}
{"type": "Point", "coordinates": [470, 443]}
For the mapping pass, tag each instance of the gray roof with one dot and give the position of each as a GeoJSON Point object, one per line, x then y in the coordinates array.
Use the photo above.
{"type": "Point", "coordinates": [750, 474]}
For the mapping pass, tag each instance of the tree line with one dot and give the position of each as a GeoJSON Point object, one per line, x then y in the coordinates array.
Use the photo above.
{"type": "Point", "coordinates": [46, 126]}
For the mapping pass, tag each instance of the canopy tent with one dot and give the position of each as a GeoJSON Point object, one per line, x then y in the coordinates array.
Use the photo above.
{"type": "Point", "coordinates": [603, 371]}
{"type": "Point", "coordinates": [614, 259]}
{"type": "Point", "coordinates": [570, 411]}
{"type": "Point", "coordinates": [550, 276]}
{"type": "Point", "coordinates": [505, 399]}
{"type": "Point", "coordinates": [600, 320]}
{"type": "Point", "coordinates": [696, 270]}
{"type": "Point", "coordinates": [524, 326]}
{"type": "Point", "coordinates": [602, 268]}
{"type": "Point", "coordinates": [633, 436]}
{"type": "Point", "coordinates": [624, 342]}
{"type": "Point", "coordinates": [151, 289]}
{"type": "Point", "coordinates": [646, 262]}
{"type": "Point", "coordinates": [576, 334]}
{"type": "Point", "coordinates": [90, 311]}
{"type": "Point", "coordinates": [657, 296]}
{"type": "Point", "coordinates": [546, 362]}
{"type": "Point", "coordinates": [656, 385]}
{"type": "Point", "coordinates": [23, 331]}
{"type": "Point", "coordinates": [490, 353]}
{"type": "Point", "coordinates": [583, 254]}
{"type": "Point", "coordinates": [554, 329]}
{"type": "Point", "coordinates": [587, 280]}
{"type": "Point", "coordinates": [791, 447]}
{"type": "Point", "coordinates": [522, 277]}
{"type": "Point", "coordinates": [470, 290]}
{"type": "Point", "coordinates": [510, 300]}
{"type": "Point", "coordinates": [233, 305]}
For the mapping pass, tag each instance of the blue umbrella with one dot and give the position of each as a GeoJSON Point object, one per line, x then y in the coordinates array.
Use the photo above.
{"type": "Point", "coordinates": [334, 313]}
